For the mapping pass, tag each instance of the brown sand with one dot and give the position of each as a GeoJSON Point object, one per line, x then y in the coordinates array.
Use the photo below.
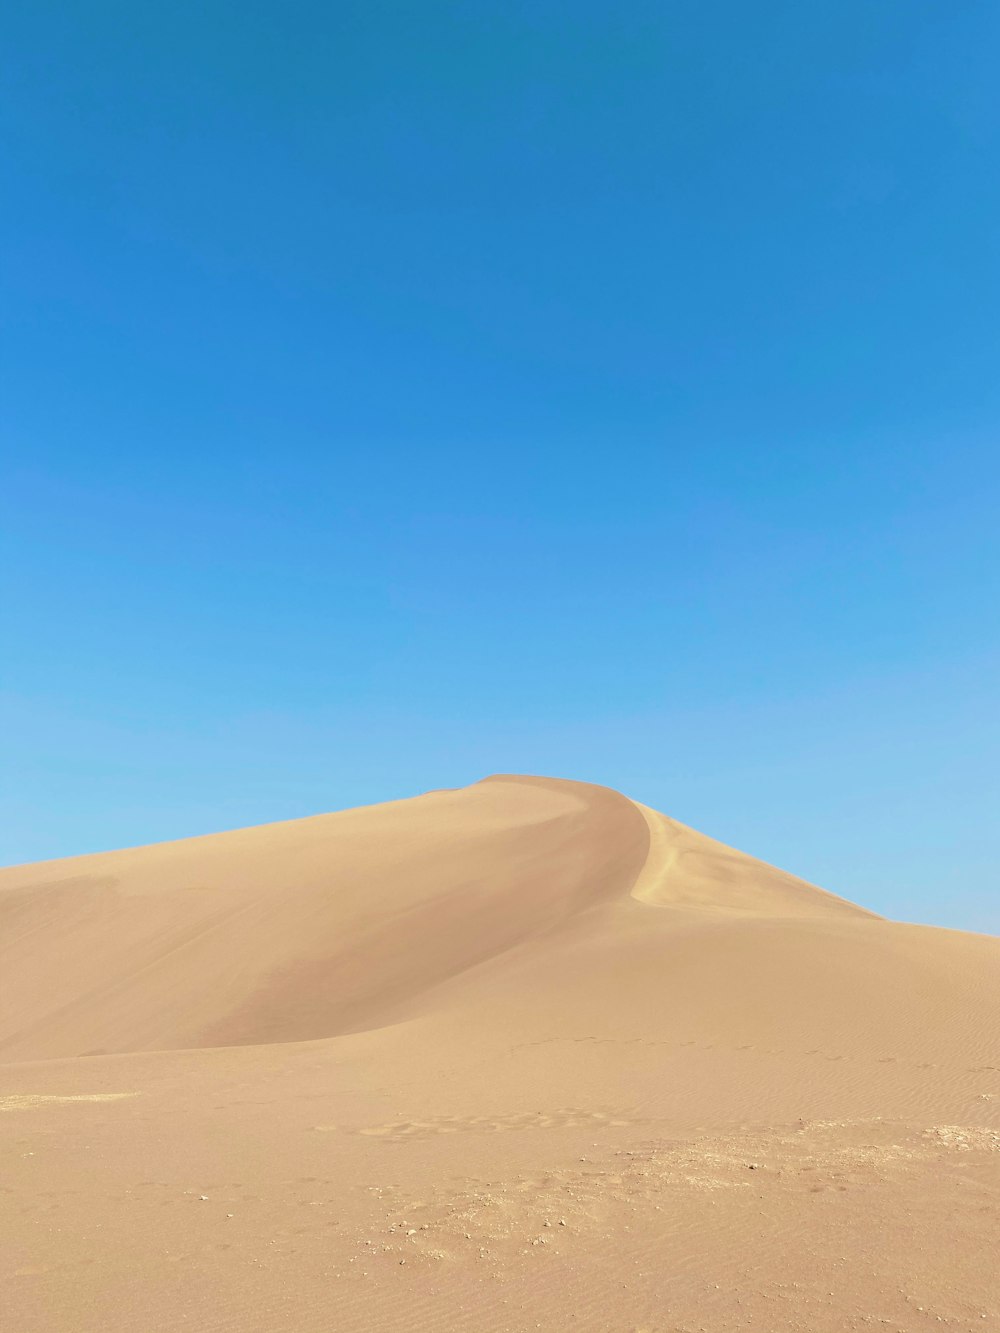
{"type": "Point", "coordinates": [526, 1055]}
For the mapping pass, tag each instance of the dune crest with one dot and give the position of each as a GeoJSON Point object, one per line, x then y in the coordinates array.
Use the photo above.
{"type": "Point", "coordinates": [685, 868]}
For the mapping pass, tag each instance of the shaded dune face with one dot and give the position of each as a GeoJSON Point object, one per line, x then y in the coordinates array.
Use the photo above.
{"type": "Point", "coordinates": [305, 929]}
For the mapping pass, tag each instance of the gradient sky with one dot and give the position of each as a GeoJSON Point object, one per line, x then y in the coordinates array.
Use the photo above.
{"type": "Point", "coordinates": [400, 393]}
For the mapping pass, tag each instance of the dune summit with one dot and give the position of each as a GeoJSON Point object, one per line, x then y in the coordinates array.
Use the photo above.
{"type": "Point", "coordinates": [522, 1055]}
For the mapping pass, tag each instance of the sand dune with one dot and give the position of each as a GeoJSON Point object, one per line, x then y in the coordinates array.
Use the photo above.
{"type": "Point", "coordinates": [523, 1055]}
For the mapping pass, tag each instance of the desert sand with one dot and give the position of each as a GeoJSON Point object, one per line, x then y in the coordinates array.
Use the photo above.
{"type": "Point", "coordinates": [525, 1055]}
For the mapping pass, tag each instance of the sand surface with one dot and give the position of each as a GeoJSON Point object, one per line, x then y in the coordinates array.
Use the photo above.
{"type": "Point", "coordinates": [524, 1055]}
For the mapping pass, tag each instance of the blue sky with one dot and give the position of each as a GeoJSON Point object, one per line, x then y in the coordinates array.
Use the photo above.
{"type": "Point", "coordinates": [395, 394]}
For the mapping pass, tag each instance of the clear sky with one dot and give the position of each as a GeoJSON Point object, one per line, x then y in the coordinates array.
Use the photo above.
{"type": "Point", "coordinates": [400, 393]}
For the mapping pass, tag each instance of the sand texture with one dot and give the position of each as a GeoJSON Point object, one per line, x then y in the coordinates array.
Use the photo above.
{"type": "Point", "coordinates": [525, 1055]}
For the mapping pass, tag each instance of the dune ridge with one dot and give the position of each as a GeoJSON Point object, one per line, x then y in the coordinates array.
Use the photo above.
{"type": "Point", "coordinates": [523, 1054]}
{"type": "Point", "coordinates": [686, 868]}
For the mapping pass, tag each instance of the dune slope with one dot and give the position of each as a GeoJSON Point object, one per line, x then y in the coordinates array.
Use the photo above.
{"type": "Point", "coordinates": [526, 1054]}
{"type": "Point", "coordinates": [300, 930]}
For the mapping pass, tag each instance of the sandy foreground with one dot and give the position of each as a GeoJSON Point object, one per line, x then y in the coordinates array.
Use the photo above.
{"type": "Point", "coordinates": [524, 1055]}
